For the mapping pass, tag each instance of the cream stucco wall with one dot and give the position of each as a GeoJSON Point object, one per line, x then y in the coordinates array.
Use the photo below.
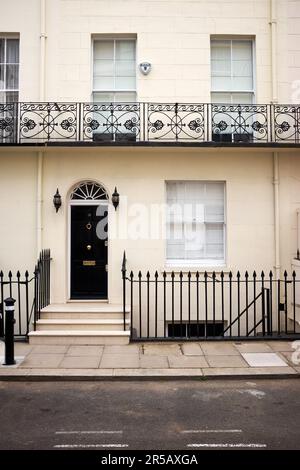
{"type": "Point", "coordinates": [140, 176]}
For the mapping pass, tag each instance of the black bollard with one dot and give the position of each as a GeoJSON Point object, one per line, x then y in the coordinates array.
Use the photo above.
{"type": "Point", "coordinates": [9, 331]}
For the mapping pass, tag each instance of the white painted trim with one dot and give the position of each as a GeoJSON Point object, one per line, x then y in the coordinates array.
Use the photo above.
{"type": "Point", "coordinates": [86, 202]}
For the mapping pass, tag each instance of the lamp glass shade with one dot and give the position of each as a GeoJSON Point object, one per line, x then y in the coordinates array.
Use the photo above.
{"type": "Point", "coordinates": [115, 198]}
{"type": "Point", "coordinates": [57, 200]}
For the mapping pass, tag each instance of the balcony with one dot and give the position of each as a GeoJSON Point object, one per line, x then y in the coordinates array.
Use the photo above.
{"type": "Point", "coordinates": [142, 123]}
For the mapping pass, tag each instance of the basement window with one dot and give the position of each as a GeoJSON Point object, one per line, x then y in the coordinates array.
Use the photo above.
{"type": "Point", "coordinates": [194, 330]}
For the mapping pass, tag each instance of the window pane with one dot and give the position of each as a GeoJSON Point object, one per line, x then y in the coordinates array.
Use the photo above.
{"type": "Point", "coordinates": [125, 50]}
{"type": "Point", "coordinates": [2, 85]}
{"type": "Point", "coordinates": [103, 97]}
{"type": "Point", "coordinates": [125, 68]}
{"type": "Point", "coordinates": [12, 96]}
{"type": "Point", "coordinates": [104, 83]}
{"type": "Point", "coordinates": [242, 83]}
{"type": "Point", "coordinates": [125, 97]}
{"type": "Point", "coordinates": [12, 51]}
{"type": "Point", "coordinates": [221, 83]}
{"type": "Point", "coordinates": [103, 50]}
{"type": "Point", "coordinates": [12, 77]}
{"type": "Point", "coordinates": [103, 68]}
{"type": "Point", "coordinates": [242, 50]}
{"type": "Point", "coordinates": [2, 42]}
{"type": "Point", "coordinates": [125, 83]}
{"type": "Point", "coordinates": [242, 98]}
{"type": "Point", "coordinates": [221, 98]}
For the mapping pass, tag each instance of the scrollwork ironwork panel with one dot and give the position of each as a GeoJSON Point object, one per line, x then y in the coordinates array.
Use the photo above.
{"type": "Point", "coordinates": [8, 122]}
{"type": "Point", "coordinates": [49, 121]}
{"type": "Point", "coordinates": [115, 123]}
{"type": "Point", "coordinates": [287, 123]}
{"type": "Point", "coordinates": [174, 122]}
{"type": "Point", "coordinates": [111, 121]}
{"type": "Point", "coordinates": [240, 122]}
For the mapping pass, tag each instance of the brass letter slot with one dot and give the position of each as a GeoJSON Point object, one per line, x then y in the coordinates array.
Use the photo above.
{"type": "Point", "coordinates": [89, 263]}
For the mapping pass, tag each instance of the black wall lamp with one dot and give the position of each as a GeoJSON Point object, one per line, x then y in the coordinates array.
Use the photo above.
{"type": "Point", "coordinates": [115, 198]}
{"type": "Point", "coordinates": [57, 200]}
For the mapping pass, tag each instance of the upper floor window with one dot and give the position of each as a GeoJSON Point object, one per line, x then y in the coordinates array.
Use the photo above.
{"type": "Point", "coordinates": [114, 70]}
{"type": "Point", "coordinates": [195, 223]}
{"type": "Point", "coordinates": [9, 70]}
{"type": "Point", "coordinates": [232, 78]}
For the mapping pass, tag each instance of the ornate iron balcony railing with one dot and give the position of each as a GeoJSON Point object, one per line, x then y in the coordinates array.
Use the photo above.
{"type": "Point", "coordinates": [148, 122]}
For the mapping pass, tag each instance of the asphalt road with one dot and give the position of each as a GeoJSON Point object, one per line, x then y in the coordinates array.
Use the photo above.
{"type": "Point", "coordinates": [150, 415]}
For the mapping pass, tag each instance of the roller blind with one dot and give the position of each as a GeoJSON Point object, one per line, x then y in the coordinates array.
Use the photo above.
{"type": "Point", "coordinates": [231, 65]}
{"type": "Point", "coordinates": [114, 70]}
{"type": "Point", "coordinates": [195, 221]}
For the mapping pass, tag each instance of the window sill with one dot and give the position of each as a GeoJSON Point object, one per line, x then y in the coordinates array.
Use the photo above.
{"type": "Point", "coordinates": [193, 269]}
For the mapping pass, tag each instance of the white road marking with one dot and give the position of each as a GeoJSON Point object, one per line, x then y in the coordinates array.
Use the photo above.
{"type": "Point", "coordinates": [191, 431]}
{"type": "Point", "coordinates": [88, 432]}
{"type": "Point", "coordinates": [85, 446]}
{"type": "Point", "coordinates": [224, 446]}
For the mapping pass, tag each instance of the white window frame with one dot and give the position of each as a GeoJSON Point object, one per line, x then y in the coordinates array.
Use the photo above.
{"type": "Point", "coordinates": [113, 91]}
{"type": "Point", "coordinates": [199, 263]}
{"type": "Point", "coordinates": [4, 91]}
{"type": "Point", "coordinates": [252, 92]}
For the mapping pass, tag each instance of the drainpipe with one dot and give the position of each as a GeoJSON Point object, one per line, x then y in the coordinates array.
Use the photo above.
{"type": "Point", "coordinates": [273, 29]}
{"type": "Point", "coordinates": [40, 155]}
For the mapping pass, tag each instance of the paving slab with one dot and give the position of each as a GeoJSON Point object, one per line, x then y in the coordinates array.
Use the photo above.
{"type": "Point", "coordinates": [119, 361]}
{"type": "Point", "coordinates": [122, 349]}
{"type": "Point", "coordinates": [49, 349]}
{"type": "Point", "coordinates": [264, 360]}
{"type": "Point", "coordinates": [80, 362]}
{"type": "Point", "coordinates": [253, 347]}
{"type": "Point", "coordinates": [41, 361]}
{"type": "Point", "coordinates": [219, 349]}
{"type": "Point", "coordinates": [18, 361]}
{"type": "Point", "coordinates": [191, 349]}
{"type": "Point", "coordinates": [281, 345]}
{"type": "Point", "coordinates": [85, 351]}
{"type": "Point", "coordinates": [22, 349]}
{"type": "Point", "coordinates": [153, 362]}
{"type": "Point", "coordinates": [162, 349]}
{"type": "Point", "coordinates": [178, 362]}
{"type": "Point", "coordinates": [225, 361]}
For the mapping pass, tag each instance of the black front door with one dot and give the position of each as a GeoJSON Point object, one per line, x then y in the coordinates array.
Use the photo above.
{"type": "Point", "coordinates": [88, 254]}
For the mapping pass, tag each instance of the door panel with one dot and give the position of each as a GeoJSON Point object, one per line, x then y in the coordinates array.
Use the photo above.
{"type": "Point", "coordinates": [88, 254]}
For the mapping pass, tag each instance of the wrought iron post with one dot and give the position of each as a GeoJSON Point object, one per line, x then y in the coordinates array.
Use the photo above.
{"type": "Point", "coordinates": [124, 289]}
{"type": "Point", "coordinates": [9, 358]}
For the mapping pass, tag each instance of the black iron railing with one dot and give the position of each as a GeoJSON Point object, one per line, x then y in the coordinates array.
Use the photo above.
{"type": "Point", "coordinates": [20, 287]}
{"type": "Point", "coordinates": [31, 292]}
{"type": "Point", "coordinates": [111, 123]}
{"type": "Point", "coordinates": [193, 305]}
{"type": "Point", "coordinates": [41, 284]}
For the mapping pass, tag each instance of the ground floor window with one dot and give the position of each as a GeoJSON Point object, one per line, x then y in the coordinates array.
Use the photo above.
{"type": "Point", "coordinates": [195, 223]}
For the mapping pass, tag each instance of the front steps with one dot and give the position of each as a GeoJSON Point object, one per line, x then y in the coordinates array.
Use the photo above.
{"type": "Point", "coordinates": [82, 323]}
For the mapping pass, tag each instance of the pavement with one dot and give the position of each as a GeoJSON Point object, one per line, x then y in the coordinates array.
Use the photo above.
{"type": "Point", "coordinates": [196, 360]}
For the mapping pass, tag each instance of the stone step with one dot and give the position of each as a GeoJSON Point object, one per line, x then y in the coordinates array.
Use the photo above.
{"type": "Point", "coordinates": [82, 337]}
{"type": "Point", "coordinates": [82, 310]}
{"type": "Point", "coordinates": [108, 324]}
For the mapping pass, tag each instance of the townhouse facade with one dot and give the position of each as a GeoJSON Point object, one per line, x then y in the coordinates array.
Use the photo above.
{"type": "Point", "coordinates": [168, 130]}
